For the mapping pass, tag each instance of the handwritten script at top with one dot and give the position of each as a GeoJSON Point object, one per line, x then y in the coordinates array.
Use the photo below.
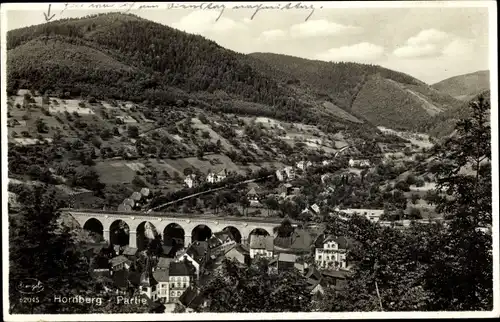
{"type": "Point", "coordinates": [221, 7]}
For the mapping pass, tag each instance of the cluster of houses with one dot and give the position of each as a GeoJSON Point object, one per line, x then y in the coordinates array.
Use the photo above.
{"type": "Point", "coordinates": [192, 180]}
{"type": "Point", "coordinates": [136, 200]}
{"type": "Point", "coordinates": [175, 277]}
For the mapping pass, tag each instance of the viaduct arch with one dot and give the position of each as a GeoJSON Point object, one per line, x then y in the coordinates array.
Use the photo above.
{"type": "Point", "coordinates": [160, 221]}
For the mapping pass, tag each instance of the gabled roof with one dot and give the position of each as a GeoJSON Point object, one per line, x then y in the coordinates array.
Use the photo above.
{"type": "Point", "coordinates": [214, 242]}
{"type": "Point", "coordinates": [130, 251]}
{"type": "Point", "coordinates": [283, 242]}
{"type": "Point", "coordinates": [343, 242]}
{"type": "Point", "coordinates": [222, 172]}
{"type": "Point", "coordinates": [119, 260]}
{"type": "Point", "coordinates": [301, 239]}
{"type": "Point", "coordinates": [167, 249]}
{"type": "Point", "coordinates": [161, 275]}
{"type": "Point", "coordinates": [335, 273]}
{"type": "Point", "coordinates": [179, 269]}
{"type": "Point", "coordinates": [284, 257]}
{"type": "Point", "coordinates": [164, 262]}
{"type": "Point", "coordinates": [223, 235]}
{"type": "Point", "coordinates": [198, 251]}
{"type": "Point", "coordinates": [262, 242]}
{"type": "Point", "coordinates": [313, 273]}
{"type": "Point", "coordinates": [191, 298]}
{"type": "Point", "coordinates": [252, 192]}
{"type": "Point", "coordinates": [238, 248]}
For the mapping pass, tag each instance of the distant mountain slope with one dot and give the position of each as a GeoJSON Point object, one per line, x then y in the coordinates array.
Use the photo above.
{"type": "Point", "coordinates": [466, 86]}
{"type": "Point", "coordinates": [444, 123]}
{"type": "Point", "coordinates": [379, 95]}
{"type": "Point", "coordinates": [151, 61]}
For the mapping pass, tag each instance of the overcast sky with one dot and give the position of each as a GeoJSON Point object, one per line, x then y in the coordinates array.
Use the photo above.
{"type": "Point", "coordinates": [430, 44]}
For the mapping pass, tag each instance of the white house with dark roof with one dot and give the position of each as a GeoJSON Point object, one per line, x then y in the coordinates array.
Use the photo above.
{"type": "Point", "coordinates": [180, 278]}
{"type": "Point", "coordinates": [190, 180]}
{"type": "Point", "coordinates": [303, 165]}
{"type": "Point", "coordinates": [119, 262]}
{"type": "Point", "coordinates": [221, 175]}
{"type": "Point", "coordinates": [290, 172]}
{"type": "Point", "coordinates": [281, 175]}
{"type": "Point", "coordinates": [331, 252]}
{"type": "Point", "coordinates": [262, 246]}
{"type": "Point", "coordinates": [362, 163]}
{"type": "Point", "coordinates": [371, 214]}
{"type": "Point", "coordinates": [197, 253]}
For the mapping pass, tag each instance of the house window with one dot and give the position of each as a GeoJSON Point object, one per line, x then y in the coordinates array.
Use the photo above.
{"type": "Point", "coordinates": [144, 289]}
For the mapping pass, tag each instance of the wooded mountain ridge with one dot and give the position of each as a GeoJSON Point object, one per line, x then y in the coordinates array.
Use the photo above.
{"type": "Point", "coordinates": [122, 56]}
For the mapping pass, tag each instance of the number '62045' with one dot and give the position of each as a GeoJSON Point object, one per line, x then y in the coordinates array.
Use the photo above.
{"type": "Point", "coordinates": [33, 299]}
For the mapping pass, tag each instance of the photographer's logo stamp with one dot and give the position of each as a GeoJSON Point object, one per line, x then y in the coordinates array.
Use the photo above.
{"type": "Point", "coordinates": [30, 286]}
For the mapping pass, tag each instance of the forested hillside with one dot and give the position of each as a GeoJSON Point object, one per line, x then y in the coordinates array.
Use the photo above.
{"type": "Point", "coordinates": [465, 87]}
{"type": "Point", "coordinates": [382, 96]}
{"type": "Point", "coordinates": [444, 124]}
{"type": "Point", "coordinates": [125, 57]}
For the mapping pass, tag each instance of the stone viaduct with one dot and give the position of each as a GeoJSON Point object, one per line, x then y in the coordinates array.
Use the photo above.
{"type": "Point", "coordinates": [188, 222]}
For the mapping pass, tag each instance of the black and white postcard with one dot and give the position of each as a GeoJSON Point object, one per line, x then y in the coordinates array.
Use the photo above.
{"type": "Point", "coordinates": [249, 160]}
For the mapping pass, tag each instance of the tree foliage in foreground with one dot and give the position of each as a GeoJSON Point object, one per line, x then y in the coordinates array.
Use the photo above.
{"type": "Point", "coordinates": [254, 289]}
{"type": "Point", "coordinates": [40, 248]}
{"type": "Point", "coordinates": [435, 266]}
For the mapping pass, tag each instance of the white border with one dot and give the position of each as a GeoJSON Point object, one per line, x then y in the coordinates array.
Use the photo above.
{"type": "Point", "coordinates": [493, 66]}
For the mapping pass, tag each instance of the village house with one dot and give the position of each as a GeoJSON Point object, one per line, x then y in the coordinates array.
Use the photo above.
{"type": "Point", "coordinates": [190, 180]}
{"type": "Point", "coordinates": [331, 252]}
{"type": "Point", "coordinates": [180, 278]}
{"type": "Point", "coordinates": [303, 165]}
{"type": "Point", "coordinates": [253, 197]}
{"type": "Point", "coordinates": [314, 209]}
{"type": "Point", "coordinates": [361, 163]}
{"type": "Point", "coordinates": [221, 175]}
{"type": "Point", "coordinates": [220, 241]}
{"type": "Point", "coordinates": [326, 162]}
{"type": "Point", "coordinates": [211, 177]}
{"type": "Point", "coordinates": [371, 214]}
{"type": "Point", "coordinates": [239, 253]}
{"type": "Point", "coordinates": [335, 278]}
{"type": "Point", "coordinates": [262, 246]}
{"type": "Point", "coordinates": [163, 279]}
{"type": "Point", "coordinates": [290, 173]}
{"type": "Point", "coordinates": [198, 254]}
{"type": "Point", "coordinates": [299, 242]}
{"type": "Point", "coordinates": [286, 261]}
{"type": "Point", "coordinates": [173, 280]}
{"type": "Point", "coordinates": [217, 177]}
{"type": "Point", "coordinates": [119, 262]}
{"type": "Point", "coordinates": [316, 282]}
{"type": "Point", "coordinates": [285, 189]}
{"type": "Point", "coordinates": [192, 300]}
{"type": "Point", "coordinates": [148, 285]}
{"type": "Point", "coordinates": [281, 175]}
